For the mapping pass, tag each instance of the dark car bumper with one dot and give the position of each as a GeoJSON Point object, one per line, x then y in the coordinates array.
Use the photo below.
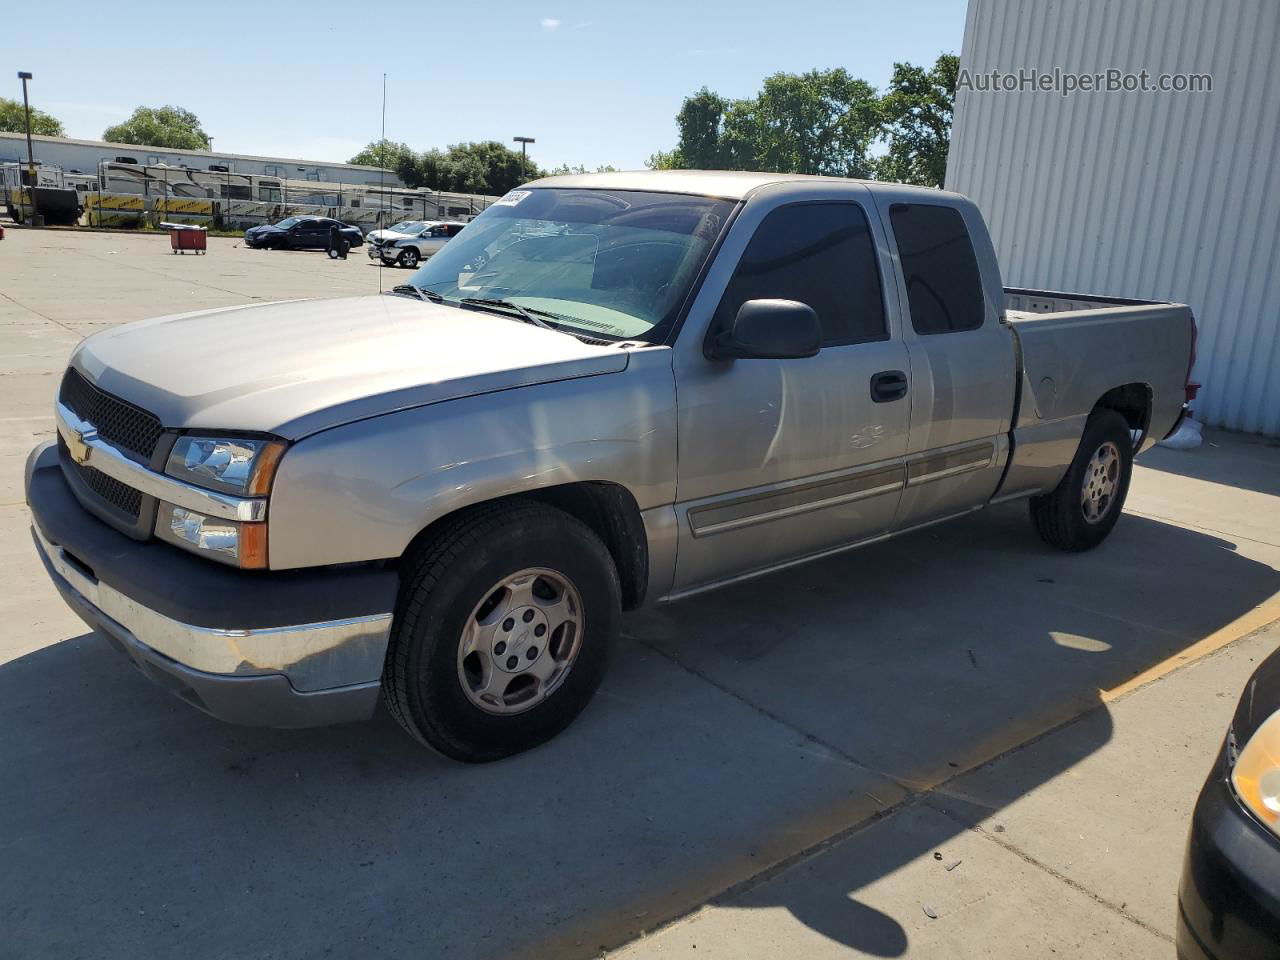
{"type": "Point", "coordinates": [284, 649]}
{"type": "Point", "coordinates": [1229, 898]}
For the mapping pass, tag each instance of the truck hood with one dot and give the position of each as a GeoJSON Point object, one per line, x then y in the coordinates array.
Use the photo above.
{"type": "Point", "coordinates": [297, 367]}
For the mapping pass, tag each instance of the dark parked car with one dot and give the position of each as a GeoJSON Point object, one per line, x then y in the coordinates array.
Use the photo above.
{"type": "Point", "coordinates": [299, 233]}
{"type": "Point", "coordinates": [1229, 899]}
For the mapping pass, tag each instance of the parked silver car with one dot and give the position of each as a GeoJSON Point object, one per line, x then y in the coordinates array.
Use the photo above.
{"type": "Point", "coordinates": [416, 242]}
{"type": "Point", "coordinates": [610, 390]}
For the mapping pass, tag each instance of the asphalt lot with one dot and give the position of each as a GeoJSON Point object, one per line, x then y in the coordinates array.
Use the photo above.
{"type": "Point", "coordinates": [790, 752]}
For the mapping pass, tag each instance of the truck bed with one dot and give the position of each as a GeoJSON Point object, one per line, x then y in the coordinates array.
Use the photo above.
{"type": "Point", "coordinates": [1074, 349]}
{"type": "Point", "coordinates": [1022, 303]}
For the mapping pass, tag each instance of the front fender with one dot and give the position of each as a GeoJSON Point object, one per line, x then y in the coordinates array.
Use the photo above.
{"type": "Point", "coordinates": [363, 491]}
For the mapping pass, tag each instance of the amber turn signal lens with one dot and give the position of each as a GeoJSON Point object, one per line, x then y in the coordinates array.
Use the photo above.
{"type": "Point", "coordinates": [253, 546]}
{"type": "Point", "coordinates": [264, 468]}
{"type": "Point", "coordinates": [1256, 774]}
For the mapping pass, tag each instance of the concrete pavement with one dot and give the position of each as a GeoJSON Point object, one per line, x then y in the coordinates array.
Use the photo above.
{"type": "Point", "coordinates": [1069, 846]}
{"type": "Point", "coordinates": [738, 737]}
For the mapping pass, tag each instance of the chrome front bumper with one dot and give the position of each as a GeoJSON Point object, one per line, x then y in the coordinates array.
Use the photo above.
{"type": "Point", "coordinates": [291, 676]}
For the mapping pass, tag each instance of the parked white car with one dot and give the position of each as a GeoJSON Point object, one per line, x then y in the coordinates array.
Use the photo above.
{"type": "Point", "coordinates": [397, 231]}
{"type": "Point", "coordinates": [411, 248]}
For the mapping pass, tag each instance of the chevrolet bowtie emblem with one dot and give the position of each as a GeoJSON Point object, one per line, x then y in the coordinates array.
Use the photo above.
{"type": "Point", "coordinates": [78, 443]}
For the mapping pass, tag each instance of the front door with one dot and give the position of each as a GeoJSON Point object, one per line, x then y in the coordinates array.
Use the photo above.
{"type": "Point", "coordinates": [315, 233]}
{"type": "Point", "coordinates": [784, 459]}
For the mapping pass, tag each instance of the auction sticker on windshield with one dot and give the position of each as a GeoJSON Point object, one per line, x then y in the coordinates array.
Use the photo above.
{"type": "Point", "coordinates": [512, 198]}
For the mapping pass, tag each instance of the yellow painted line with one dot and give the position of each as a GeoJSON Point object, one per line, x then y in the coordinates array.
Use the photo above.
{"type": "Point", "coordinates": [1260, 616]}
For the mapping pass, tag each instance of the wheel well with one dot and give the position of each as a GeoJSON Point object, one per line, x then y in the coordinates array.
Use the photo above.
{"type": "Point", "coordinates": [1132, 401]}
{"type": "Point", "coordinates": [608, 509]}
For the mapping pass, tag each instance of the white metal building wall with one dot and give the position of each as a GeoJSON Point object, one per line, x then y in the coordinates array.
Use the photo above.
{"type": "Point", "coordinates": [1161, 196]}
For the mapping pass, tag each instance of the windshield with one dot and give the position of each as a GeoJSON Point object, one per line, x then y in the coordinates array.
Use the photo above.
{"type": "Point", "coordinates": [616, 264]}
{"type": "Point", "coordinates": [288, 222]}
{"type": "Point", "coordinates": [407, 226]}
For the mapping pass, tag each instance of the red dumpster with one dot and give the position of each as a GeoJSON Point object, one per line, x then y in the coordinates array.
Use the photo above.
{"type": "Point", "coordinates": [183, 238]}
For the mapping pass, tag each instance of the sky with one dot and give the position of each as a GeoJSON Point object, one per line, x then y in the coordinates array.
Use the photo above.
{"type": "Point", "coordinates": [594, 82]}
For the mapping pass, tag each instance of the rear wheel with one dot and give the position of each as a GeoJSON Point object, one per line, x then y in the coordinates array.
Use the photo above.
{"type": "Point", "coordinates": [502, 631]}
{"type": "Point", "coordinates": [1087, 502]}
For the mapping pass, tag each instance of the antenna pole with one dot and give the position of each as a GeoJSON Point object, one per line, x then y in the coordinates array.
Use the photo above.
{"type": "Point", "coordinates": [382, 172]}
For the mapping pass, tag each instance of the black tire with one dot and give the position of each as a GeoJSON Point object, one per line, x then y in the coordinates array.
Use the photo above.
{"type": "Point", "coordinates": [1060, 517]}
{"type": "Point", "coordinates": [442, 582]}
{"type": "Point", "coordinates": [409, 259]}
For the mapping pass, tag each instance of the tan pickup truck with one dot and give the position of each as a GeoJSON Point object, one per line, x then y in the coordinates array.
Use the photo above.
{"type": "Point", "coordinates": [607, 390]}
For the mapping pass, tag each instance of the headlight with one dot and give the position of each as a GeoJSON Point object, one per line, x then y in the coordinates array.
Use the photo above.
{"type": "Point", "coordinates": [227, 541]}
{"type": "Point", "coordinates": [1256, 775]}
{"type": "Point", "coordinates": [232, 465]}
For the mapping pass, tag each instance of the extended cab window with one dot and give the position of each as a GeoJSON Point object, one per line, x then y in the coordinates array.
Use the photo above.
{"type": "Point", "coordinates": [944, 288]}
{"type": "Point", "coordinates": [821, 254]}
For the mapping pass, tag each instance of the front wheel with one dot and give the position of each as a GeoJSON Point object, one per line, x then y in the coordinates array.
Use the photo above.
{"type": "Point", "coordinates": [409, 259]}
{"type": "Point", "coordinates": [1086, 504]}
{"type": "Point", "coordinates": [502, 631]}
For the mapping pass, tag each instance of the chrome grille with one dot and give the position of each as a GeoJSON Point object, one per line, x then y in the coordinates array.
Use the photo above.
{"type": "Point", "coordinates": [119, 423]}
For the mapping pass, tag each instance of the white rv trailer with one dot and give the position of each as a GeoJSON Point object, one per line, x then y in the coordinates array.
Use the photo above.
{"type": "Point", "coordinates": [55, 196]}
{"type": "Point", "coordinates": [128, 193]}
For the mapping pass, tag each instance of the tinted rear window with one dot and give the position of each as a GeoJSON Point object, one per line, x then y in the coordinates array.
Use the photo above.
{"type": "Point", "coordinates": [944, 288]}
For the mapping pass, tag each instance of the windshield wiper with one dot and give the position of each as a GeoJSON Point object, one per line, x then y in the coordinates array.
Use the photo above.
{"type": "Point", "coordinates": [525, 313]}
{"type": "Point", "coordinates": [430, 296]}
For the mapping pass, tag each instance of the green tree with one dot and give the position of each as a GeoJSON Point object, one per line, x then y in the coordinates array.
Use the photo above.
{"type": "Point", "coordinates": [564, 169]}
{"type": "Point", "coordinates": [820, 122]}
{"type": "Point", "coordinates": [664, 160]}
{"type": "Point", "coordinates": [166, 126]}
{"type": "Point", "coordinates": [385, 153]}
{"type": "Point", "coordinates": [823, 121]}
{"type": "Point", "coordinates": [13, 119]}
{"type": "Point", "coordinates": [700, 123]}
{"type": "Point", "coordinates": [503, 167]}
{"type": "Point", "coordinates": [916, 113]}
{"type": "Point", "coordinates": [486, 167]}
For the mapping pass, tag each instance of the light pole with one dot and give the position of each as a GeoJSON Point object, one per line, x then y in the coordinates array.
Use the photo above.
{"type": "Point", "coordinates": [36, 219]}
{"type": "Point", "coordinates": [524, 143]}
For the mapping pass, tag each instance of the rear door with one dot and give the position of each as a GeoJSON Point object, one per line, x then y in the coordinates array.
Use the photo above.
{"type": "Point", "coordinates": [963, 368]}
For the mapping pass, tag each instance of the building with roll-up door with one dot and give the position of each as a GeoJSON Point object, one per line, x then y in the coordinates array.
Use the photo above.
{"type": "Point", "coordinates": [1168, 194]}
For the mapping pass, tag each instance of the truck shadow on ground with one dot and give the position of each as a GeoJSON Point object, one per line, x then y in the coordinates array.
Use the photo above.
{"type": "Point", "coordinates": [734, 731]}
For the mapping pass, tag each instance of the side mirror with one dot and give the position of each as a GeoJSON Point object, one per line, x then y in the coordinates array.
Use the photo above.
{"type": "Point", "coordinates": [769, 330]}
